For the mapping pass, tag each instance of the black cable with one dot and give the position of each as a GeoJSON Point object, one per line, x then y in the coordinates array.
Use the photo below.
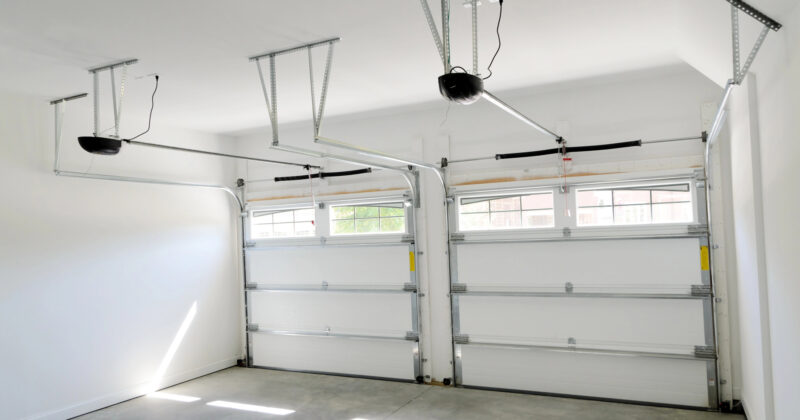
{"type": "Point", "coordinates": [499, 42]}
{"type": "Point", "coordinates": [150, 118]}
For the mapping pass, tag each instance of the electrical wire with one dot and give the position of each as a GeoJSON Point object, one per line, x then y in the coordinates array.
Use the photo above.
{"type": "Point", "coordinates": [446, 114]}
{"type": "Point", "coordinates": [499, 41]}
{"type": "Point", "coordinates": [150, 117]}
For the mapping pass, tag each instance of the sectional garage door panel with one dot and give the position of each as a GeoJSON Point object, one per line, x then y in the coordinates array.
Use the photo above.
{"type": "Point", "coordinates": [633, 265]}
{"type": "Point", "coordinates": [663, 381]}
{"type": "Point", "coordinates": [336, 265]}
{"type": "Point", "coordinates": [334, 308]}
{"type": "Point", "coordinates": [378, 358]}
{"type": "Point", "coordinates": [623, 319]}
{"type": "Point", "coordinates": [642, 324]}
{"type": "Point", "coordinates": [382, 314]}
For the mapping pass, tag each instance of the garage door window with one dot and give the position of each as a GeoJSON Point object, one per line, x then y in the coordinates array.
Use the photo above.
{"type": "Point", "coordinates": [282, 223]}
{"type": "Point", "coordinates": [635, 205]}
{"type": "Point", "coordinates": [528, 211]}
{"type": "Point", "coordinates": [368, 219]}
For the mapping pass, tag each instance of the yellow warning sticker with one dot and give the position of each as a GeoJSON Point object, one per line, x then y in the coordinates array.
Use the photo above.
{"type": "Point", "coordinates": [704, 265]}
{"type": "Point", "coordinates": [411, 264]}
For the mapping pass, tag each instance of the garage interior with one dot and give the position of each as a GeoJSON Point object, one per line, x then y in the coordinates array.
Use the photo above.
{"type": "Point", "coordinates": [411, 209]}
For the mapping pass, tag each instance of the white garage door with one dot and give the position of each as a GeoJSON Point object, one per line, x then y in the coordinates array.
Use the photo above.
{"type": "Point", "coordinates": [602, 292]}
{"type": "Point", "coordinates": [337, 295]}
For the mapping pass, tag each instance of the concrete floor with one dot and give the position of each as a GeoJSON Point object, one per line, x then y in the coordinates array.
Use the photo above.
{"type": "Point", "coordinates": [331, 397]}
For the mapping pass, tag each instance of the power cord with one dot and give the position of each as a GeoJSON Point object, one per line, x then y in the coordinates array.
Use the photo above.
{"type": "Point", "coordinates": [149, 118]}
{"type": "Point", "coordinates": [499, 42]}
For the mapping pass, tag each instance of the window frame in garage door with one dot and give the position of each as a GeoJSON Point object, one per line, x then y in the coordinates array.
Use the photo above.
{"type": "Point", "coordinates": [323, 238]}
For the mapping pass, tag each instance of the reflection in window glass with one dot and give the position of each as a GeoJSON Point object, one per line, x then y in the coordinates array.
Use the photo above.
{"type": "Point", "coordinates": [506, 212]}
{"type": "Point", "coordinates": [374, 218]}
{"type": "Point", "coordinates": [635, 205]}
{"type": "Point", "coordinates": [594, 216]}
{"type": "Point", "coordinates": [282, 223]}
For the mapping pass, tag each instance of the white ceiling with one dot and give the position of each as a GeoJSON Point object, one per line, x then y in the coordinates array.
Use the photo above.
{"type": "Point", "coordinates": [386, 56]}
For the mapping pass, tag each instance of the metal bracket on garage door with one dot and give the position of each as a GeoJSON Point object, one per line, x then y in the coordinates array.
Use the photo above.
{"type": "Point", "coordinates": [461, 338]}
{"type": "Point", "coordinates": [703, 290]}
{"type": "Point", "coordinates": [410, 287]}
{"type": "Point", "coordinates": [458, 288]}
{"type": "Point", "coordinates": [709, 317]}
{"type": "Point", "coordinates": [705, 352]}
{"type": "Point", "coordinates": [697, 229]}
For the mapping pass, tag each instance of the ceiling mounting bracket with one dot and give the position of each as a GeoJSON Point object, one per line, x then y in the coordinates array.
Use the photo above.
{"type": "Point", "coordinates": [271, 95]}
{"type": "Point", "coordinates": [755, 14]}
{"type": "Point", "coordinates": [95, 71]}
{"type": "Point", "coordinates": [317, 109]}
{"type": "Point", "coordinates": [463, 87]}
{"type": "Point", "coordinates": [739, 73]}
{"type": "Point", "coordinates": [739, 69]}
{"type": "Point", "coordinates": [270, 98]}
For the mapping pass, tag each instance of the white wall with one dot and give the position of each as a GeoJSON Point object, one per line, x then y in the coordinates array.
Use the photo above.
{"type": "Point", "coordinates": [98, 277]}
{"type": "Point", "coordinates": [653, 104]}
{"type": "Point", "coordinates": [764, 130]}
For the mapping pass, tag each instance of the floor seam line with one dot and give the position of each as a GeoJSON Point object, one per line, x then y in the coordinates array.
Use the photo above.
{"type": "Point", "coordinates": [409, 402]}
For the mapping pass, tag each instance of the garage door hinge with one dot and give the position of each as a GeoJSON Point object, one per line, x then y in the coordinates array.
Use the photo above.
{"type": "Point", "coordinates": [458, 288]}
{"type": "Point", "coordinates": [705, 352]}
{"type": "Point", "coordinates": [566, 232]}
{"type": "Point", "coordinates": [697, 229]}
{"type": "Point", "coordinates": [249, 244]}
{"type": "Point", "coordinates": [412, 336]}
{"type": "Point", "coordinates": [456, 236]}
{"type": "Point", "coordinates": [251, 286]}
{"type": "Point", "coordinates": [409, 287]}
{"type": "Point", "coordinates": [408, 239]}
{"type": "Point", "coordinates": [461, 338]}
{"type": "Point", "coordinates": [701, 290]}
{"type": "Point", "coordinates": [252, 327]}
